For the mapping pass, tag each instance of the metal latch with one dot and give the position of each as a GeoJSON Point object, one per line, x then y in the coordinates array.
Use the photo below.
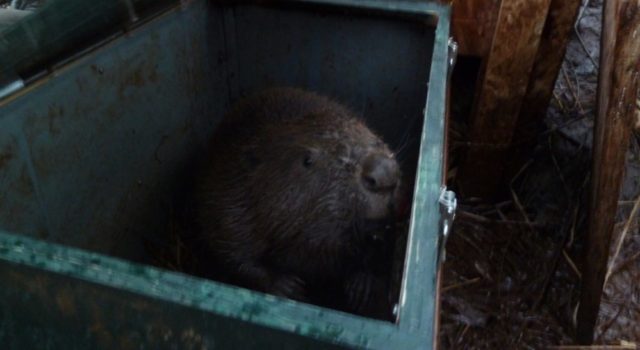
{"type": "Point", "coordinates": [448, 205]}
{"type": "Point", "coordinates": [453, 56]}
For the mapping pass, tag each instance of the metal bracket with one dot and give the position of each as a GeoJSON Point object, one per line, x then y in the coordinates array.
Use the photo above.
{"type": "Point", "coordinates": [453, 56]}
{"type": "Point", "coordinates": [448, 205]}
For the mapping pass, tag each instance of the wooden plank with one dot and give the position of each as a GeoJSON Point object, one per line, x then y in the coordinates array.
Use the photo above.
{"type": "Point", "coordinates": [618, 91]}
{"type": "Point", "coordinates": [501, 92]}
{"type": "Point", "coordinates": [553, 46]}
{"type": "Point", "coordinates": [472, 25]}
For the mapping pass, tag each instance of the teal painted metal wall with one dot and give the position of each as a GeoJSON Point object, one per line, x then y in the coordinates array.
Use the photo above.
{"type": "Point", "coordinates": [90, 153]}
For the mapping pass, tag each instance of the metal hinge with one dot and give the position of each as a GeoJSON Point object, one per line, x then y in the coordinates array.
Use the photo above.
{"type": "Point", "coordinates": [448, 204]}
{"type": "Point", "coordinates": [453, 56]}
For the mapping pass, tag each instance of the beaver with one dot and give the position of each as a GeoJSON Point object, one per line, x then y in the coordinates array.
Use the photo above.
{"type": "Point", "coordinates": [296, 197]}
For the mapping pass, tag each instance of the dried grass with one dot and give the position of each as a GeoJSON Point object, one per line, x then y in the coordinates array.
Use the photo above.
{"type": "Point", "coordinates": [513, 271]}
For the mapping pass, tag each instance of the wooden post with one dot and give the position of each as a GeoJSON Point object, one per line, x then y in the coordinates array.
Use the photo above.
{"type": "Point", "coordinates": [472, 25]}
{"type": "Point", "coordinates": [553, 46]}
{"type": "Point", "coordinates": [501, 91]}
{"type": "Point", "coordinates": [618, 90]}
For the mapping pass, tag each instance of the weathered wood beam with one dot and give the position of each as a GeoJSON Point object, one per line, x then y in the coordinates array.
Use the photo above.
{"type": "Point", "coordinates": [472, 24]}
{"type": "Point", "coordinates": [502, 89]}
{"type": "Point", "coordinates": [555, 37]}
{"type": "Point", "coordinates": [618, 90]}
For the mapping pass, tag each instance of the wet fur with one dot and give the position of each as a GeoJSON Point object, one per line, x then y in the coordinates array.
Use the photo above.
{"type": "Point", "coordinates": [279, 207]}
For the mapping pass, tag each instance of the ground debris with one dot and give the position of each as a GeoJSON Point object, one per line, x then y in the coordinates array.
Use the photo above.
{"type": "Point", "coordinates": [512, 275]}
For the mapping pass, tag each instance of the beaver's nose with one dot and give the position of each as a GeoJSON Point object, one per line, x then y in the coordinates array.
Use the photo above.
{"type": "Point", "coordinates": [380, 173]}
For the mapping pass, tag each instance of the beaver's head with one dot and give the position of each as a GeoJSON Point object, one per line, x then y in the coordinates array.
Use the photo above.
{"type": "Point", "coordinates": [323, 177]}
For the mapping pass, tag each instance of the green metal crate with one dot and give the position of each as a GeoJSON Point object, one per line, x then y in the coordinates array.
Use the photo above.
{"type": "Point", "coordinates": [93, 141]}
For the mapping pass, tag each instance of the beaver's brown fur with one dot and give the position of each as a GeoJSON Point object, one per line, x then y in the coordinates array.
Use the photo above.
{"type": "Point", "coordinates": [295, 198]}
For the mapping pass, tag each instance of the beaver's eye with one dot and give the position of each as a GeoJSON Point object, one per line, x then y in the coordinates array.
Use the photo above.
{"type": "Point", "coordinates": [308, 161]}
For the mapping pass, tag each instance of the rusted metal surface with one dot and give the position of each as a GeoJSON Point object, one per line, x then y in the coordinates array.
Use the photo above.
{"type": "Point", "coordinates": [472, 25]}
{"type": "Point", "coordinates": [15, 174]}
{"type": "Point", "coordinates": [101, 139]}
{"type": "Point", "coordinates": [35, 43]}
{"type": "Point", "coordinates": [618, 91]}
{"type": "Point", "coordinates": [555, 37]}
{"type": "Point", "coordinates": [82, 164]}
{"type": "Point", "coordinates": [43, 309]}
{"type": "Point", "coordinates": [500, 94]}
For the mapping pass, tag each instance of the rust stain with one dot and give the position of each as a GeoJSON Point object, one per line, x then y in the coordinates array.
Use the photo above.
{"type": "Point", "coordinates": [194, 74]}
{"type": "Point", "coordinates": [160, 332]}
{"type": "Point", "coordinates": [163, 139]}
{"type": "Point", "coordinates": [141, 75]}
{"type": "Point", "coordinates": [5, 157]}
{"type": "Point", "coordinates": [187, 126]}
{"type": "Point", "coordinates": [113, 114]}
{"type": "Point", "coordinates": [36, 286]}
{"type": "Point", "coordinates": [98, 329]}
{"type": "Point", "coordinates": [136, 78]}
{"type": "Point", "coordinates": [129, 340]}
{"type": "Point", "coordinates": [153, 75]}
{"type": "Point", "coordinates": [101, 315]}
{"type": "Point", "coordinates": [23, 183]}
{"type": "Point", "coordinates": [42, 233]}
{"type": "Point", "coordinates": [192, 339]}
{"type": "Point", "coordinates": [55, 114]}
{"type": "Point", "coordinates": [65, 302]}
{"type": "Point", "coordinates": [101, 335]}
{"type": "Point", "coordinates": [82, 83]}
